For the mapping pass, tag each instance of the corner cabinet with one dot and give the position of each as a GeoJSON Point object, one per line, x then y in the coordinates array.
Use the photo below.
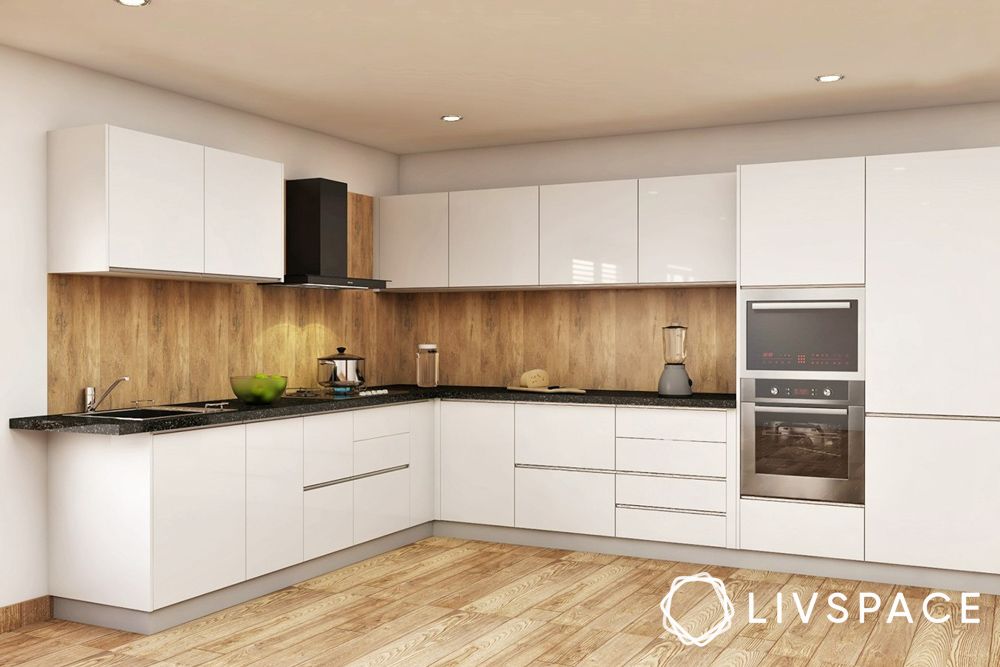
{"type": "Point", "coordinates": [127, 202]}
{"type": "Point", "coordinates": [413, 240]}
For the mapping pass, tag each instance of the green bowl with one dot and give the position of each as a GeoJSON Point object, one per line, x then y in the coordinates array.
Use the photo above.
{"type": "Point", "coordinates": [260, 389]}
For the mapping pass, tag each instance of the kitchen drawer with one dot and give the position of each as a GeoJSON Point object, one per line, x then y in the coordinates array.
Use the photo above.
{"type": "Point", "coordinates": [571, 436]}
{"type": "Point", "coordinates": [329, 519]}
{"type": "Point", "coordinates": [380, 422]}
{"type": "Point", "coordinates": [674, 457]}
{"type": "Point", "coordinates": [707, 495]}
{"type": "Point", "coordinates": [329, 447]}
{"type": "Point", "coordinates": [381, 453]}
{"type": "Point", "coordinates": [808, 529]}
{"type": "Point", "coordinates": [662, 526]}
{"type": "Point", "coordinates": [563, 500]}
{"type": "Point", "coordinates": [381, 505]}
{"type": "Point", "coordinates": [671, 424]}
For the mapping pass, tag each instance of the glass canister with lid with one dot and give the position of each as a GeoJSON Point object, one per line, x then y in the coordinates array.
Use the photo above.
{"type": "Point", "coordinates": [427, 365]}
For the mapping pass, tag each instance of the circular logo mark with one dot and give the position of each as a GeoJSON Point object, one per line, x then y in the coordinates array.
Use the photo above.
{"type": "Point", "coordinates": [671, 625]}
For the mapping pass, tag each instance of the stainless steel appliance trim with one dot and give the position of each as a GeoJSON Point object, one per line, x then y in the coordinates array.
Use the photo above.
{"type": "Point", "coordinates": [800, 410]}
{"type": "Point", "coordinates": [674, 510]}
{"type": "Point", "coordinates": [354, 478]}
{"type": "Point", "coordinates": [801, 305]}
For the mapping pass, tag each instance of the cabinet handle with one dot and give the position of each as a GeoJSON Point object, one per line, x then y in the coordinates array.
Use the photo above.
{"type": "Point", "coordinates": [800, 305]}
{"type": "Point", "coordinates": [353, 478]}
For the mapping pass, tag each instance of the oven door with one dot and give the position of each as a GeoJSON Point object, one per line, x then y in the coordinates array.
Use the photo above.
{"type": "Point", "coordinates": [815, 333]}
{"type": "Point", "coordinates": [803, 453]}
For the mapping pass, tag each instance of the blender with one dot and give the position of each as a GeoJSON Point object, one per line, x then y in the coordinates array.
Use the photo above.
{"type": "Point", "coordinates": [674, 380]}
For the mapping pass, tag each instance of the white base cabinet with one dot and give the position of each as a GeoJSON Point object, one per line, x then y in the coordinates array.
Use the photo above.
{"type": "Point", "coordinates": [659, 525]}
{"type": "Point", "coordinates": [807, 529]}
{"type": "Point", "coordinates": [569, 501]}
{"type": "Point", "coordinates": [381, 505]}
{"type": "Point", "coordinates": [423, 466]}
{"type": "Point", "coordinates": [329, 519]}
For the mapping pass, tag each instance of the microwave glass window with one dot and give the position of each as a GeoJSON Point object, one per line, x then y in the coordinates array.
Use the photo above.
{"type": "Point", "coordinates": [802, 445]}
{"type": "Point", "coordinates": [802, 336]}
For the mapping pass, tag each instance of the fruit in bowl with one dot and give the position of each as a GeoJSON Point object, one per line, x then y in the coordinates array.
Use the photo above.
{"type": "Point", "coordinates": [259, 389]}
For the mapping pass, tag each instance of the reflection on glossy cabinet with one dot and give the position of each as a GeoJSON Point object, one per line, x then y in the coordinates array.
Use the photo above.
{"type": "Point", "coordinates": [493, 237]}
{"type": "Point", "coordinates": [803, 223]}
{"type": "Point", "coordinates": [588, 233]}
{"type": "Point", "coordinates": [687, 229]}
{"type": "Point", "coordinates": [933, 245]}
{"type": "Point", "coordinates": [413, 240]}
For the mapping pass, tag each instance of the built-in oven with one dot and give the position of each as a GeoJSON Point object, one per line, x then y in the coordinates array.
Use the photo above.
{"type": "Point", "coordinates": [803, 439]}
{"type": "Point", "coordinates": [815, 333]}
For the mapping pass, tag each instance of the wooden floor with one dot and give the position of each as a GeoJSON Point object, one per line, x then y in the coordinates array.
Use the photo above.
{"type": "Point", "coordinates": [454, 602]}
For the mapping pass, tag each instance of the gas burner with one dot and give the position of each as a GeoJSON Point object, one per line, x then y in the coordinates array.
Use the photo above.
{"type": "Point", "coordinates": [308, 392]}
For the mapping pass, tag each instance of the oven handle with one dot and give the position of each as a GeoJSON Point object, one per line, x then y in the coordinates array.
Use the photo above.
{"type": "Point", "coordinates": [800, 305]}
{"type": "Point", "coordinates": [827, 411]}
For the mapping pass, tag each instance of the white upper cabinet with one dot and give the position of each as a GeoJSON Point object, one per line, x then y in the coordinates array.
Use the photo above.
{"type": "Point", "coordinates": [687, 229]}
{"type": "Point", "coordinates": [413, 240]}
{"type": "Point", "coordinates": [588, 233]}
{"type": "Point", "coordinates": [933, 250]}
{"type": "Point", "coordinates": [493, 237]}
{"type": "Point", "coordinates": [803, 223]}
{"type": "Point", "coordinates": [244, 215]}
{"type": "Point", "coordinates": [122, 201]}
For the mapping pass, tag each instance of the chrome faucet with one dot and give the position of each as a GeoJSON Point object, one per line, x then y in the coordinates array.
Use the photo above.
{"type": "Point", "coordinates": [90, 403]}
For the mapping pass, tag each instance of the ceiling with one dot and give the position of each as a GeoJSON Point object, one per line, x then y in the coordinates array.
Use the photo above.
{"type": "Point", "coordinates": [382, 72]}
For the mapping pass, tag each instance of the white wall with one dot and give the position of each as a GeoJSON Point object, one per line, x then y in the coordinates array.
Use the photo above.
{"type": "Point", "coordinates": [40, 94]}
{"type": "Point", "coordinates": [701, 151]}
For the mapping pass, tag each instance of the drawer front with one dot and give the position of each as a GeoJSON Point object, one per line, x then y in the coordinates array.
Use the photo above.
{"type": "Point", "coordinates": [567, 501]}
{"type": "Point", "coordinates": [380, 422]}
{"type": "Point", "coordinates": [381, 453]}
{"type": "Point", "coordinates": [673, 457]}
{"type": "Point", "coordinates": [809, 529]}
{"type": "Point", "coordinates": [659, 526]}
{"type": "Point", "coordinates": [381, 505]}
{"type": "Point", "coordinates": [667, 424]}
{"type": "Point", "coordinates": [671, 492]}
{"type": "Point", "coordinates": [565, 435]}
{"type": "Point", "coordinates": [329, 447]}
{"type": "Point", "coordinates": [329, 519]}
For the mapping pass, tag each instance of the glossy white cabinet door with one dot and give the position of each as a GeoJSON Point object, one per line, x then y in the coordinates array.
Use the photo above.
{"type": "Point", "coordinates": [931, 496]}
{"type": "Point", "coordinates": [808, 529]}
{"type": "Point", "coordinates": [568, 436]}
{"type": "Point", "coordinates": [687, 229]}
{"type": "Point", "coordinates": [199, 512]}
{"type": "Point", "coordinates": [381, 505]}
{"type": "Point", "coordinates": [329, 447]}
{"type": "Point", "coordinates": [274, 495]}
{"type": "Point", "coordinates": [423, 477]}
{"type": "Point", "coordinates": [329, 519]}
{"type": "Point", "coordinates": [156, 202]}
{"type": "Point", "coordinates": [413, 240]}
{"type": "Point", "coordinates": [477, 462]}
{"type": "Point", "coordinates": [493, 237]}
{"type": "Point", "coordinates": [244, 215]}
{"type": "Point", "coordinates": [803, 223]}
{"type": "Point", "coordinates": [588, 233]}
{"type": "Point", "coordinates": [566, 501]}
{"type": "Point", "coordinates": [933, 249]}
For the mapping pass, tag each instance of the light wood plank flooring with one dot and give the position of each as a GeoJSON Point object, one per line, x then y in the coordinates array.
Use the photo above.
{"type": "Point", "coordinates": [444, 601]}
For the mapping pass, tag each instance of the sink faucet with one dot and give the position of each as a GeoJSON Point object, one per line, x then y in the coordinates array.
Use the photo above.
{"type": "Point", "coordinates": [91, 404]}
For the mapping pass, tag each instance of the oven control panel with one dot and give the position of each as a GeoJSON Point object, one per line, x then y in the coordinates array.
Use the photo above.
{"type": "Point", "coordinates": [823, 390]}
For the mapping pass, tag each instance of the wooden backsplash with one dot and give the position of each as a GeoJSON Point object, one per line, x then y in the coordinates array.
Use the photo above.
{"type": "Point", "coordinates": [180, 341]}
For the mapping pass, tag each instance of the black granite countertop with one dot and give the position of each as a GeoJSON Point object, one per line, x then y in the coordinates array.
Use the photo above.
{"type": "Point", "coordinates": [295, 407]}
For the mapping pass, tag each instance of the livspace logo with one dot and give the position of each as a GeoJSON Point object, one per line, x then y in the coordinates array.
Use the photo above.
{"type": "Point", "coordinates": [869, 606]}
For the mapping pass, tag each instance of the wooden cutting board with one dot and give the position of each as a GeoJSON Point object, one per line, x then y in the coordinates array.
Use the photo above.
{"type": "Point", "coordinates": [549, 390]}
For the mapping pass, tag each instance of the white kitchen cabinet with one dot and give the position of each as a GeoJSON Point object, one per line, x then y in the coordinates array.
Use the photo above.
{"type": "Point", "coordinates": [380, 422]}
{"type": "Point", "coordinates": [328, 447]}
{"type": "Point", "coordinates": [477, 462]}
{"type": "Point", "coordinates": [493, 237]}
{"type": "Point", "coordinates": [423, 477]}
{"type": "Point", "coordinates": [807, 529]}
{"type": "Point", "coordinates": [802, 223]}
{"type": "Point", "coordinates": [687, 229]}
{"type": "Point", "coordinates": [571, 436]}
{"type": "Point", "coordinates": [413, 240]}
{"type": "Point", "coordinates": [588, 233]}
{"type": "Point", "coordinates": [702, 495]}
{"type": "Point", "coordinates": [671, 424]}
{"type": "Point", "coordinates": [381, 505]}
{"type": "Point", "coordinates": [672, 457]}
{"type": "Point", "coordinates": [390, 451]}
{"type": "Point", "coordinates": [244, 215]}
{"type": "Point", "coordinates": [933, 244]}
{"type": "Point", "coordinates": [660, 525]}
{"type": "Point", "coordinates": [931, 497]}
{"type": "Point", "coordinates": [274, 465]}
{"type": "Point", "coordinates": [565, 500]}
{"type": "Point", "coordinates": [199, 512]}
{"type": "Point", "coordinates": [328, 519]}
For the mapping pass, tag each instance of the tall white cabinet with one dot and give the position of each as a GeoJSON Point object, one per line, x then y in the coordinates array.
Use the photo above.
{"type": "Point", "coordinates": [493, 237]}
{"type": "Point", "coordinates": [802, 223]}
{"type": "Point", "coordinates": [413, 240]}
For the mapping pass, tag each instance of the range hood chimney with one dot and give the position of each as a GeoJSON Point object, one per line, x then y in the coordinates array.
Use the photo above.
{"type": "Point", "coordinates": [316, 236]}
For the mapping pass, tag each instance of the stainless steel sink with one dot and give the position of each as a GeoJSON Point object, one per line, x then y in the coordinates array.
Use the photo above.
{"type": "Point", "coordinates": [147, 414]}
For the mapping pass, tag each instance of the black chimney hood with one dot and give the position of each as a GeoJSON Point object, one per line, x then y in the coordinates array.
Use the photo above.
{"type": "Point", "coordinates": [316, 236]}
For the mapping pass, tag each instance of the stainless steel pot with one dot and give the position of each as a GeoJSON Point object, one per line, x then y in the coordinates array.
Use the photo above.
{"type": "Point", "coordinates": [341, 370]}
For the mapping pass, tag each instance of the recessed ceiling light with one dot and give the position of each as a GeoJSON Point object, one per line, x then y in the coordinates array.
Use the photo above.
{"type": "Point", "coordinates": [829, 78]}
{"type": "Point", "coordinates": [133, 3]}
{"type": "Point", "coordinates": [451, 118]}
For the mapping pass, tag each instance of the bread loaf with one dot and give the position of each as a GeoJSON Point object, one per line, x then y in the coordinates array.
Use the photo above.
{"type": "Point", "coordinates": [535, 378]}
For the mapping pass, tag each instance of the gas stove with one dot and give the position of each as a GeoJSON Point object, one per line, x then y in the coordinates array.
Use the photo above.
{"type": "Point", "coordinates": [331, 395]}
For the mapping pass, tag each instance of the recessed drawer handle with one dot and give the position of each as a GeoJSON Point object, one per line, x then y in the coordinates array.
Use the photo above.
{"type": "Point", "coordinates": [353, 478]}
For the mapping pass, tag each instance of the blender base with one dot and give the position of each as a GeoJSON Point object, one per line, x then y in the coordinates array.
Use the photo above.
{"type": "Point", "coordinates": [674, 381]}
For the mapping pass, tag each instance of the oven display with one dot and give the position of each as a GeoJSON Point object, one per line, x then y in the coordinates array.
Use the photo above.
{"type": "Point", "coordinates": [802, 336]}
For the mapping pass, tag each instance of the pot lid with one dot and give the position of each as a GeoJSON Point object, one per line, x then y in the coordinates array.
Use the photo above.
{"type": "Point", "coordinates": [341, 356]}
